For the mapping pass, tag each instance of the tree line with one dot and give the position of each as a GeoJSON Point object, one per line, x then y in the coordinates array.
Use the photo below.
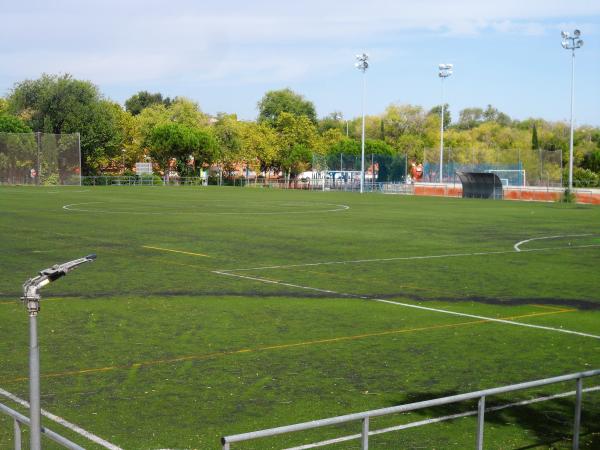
{"type": "Point", "coordinates": [285, 136]}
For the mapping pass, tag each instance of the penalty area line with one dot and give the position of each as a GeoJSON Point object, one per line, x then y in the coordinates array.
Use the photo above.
{"type": "Point", "coordinates": [409, 305]}
{"type": "Point", "coordinates": [411, 258]}
{"type": "Point", "coordinates": [65, 423]}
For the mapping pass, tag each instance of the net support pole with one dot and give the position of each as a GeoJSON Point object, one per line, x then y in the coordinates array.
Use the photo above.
{"type": "Point", "coordinates": [79, 151]}
{"type": "Point", "coordinates": [38, 141]}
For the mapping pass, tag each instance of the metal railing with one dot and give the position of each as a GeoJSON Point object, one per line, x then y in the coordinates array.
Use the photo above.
{"type": "Point", "coordinates": [477, 395]}
{"type": "Point", "coordinates": [19, 419]}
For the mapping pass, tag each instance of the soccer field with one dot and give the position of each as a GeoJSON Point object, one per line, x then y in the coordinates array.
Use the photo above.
{"type": "Point", "coordinates": [215, 311]}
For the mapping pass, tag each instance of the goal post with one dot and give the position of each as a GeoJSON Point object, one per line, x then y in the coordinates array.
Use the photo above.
{"type": "Point", "coordinates": [510, 177]}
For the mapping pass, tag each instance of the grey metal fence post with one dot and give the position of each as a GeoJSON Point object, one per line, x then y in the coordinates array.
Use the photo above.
{"type": "Point", "coordinates": [480, 422]}
{"type": "Point", "coordinates": [38, 140]}
{"type": "Point", "coordinates": [17, 428]}
{"type": "Point", "coordinates": [34, 384]}
{"type": "Point", "coordinates": [364, 440]}
{"type": "Point", "coordinates": [577, 422]}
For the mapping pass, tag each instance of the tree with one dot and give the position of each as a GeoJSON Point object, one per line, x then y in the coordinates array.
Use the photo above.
{"type": "Point", "coordinates": [207, 147]}
{"type": "Point", "coordinates": [297, 137]}
{"type": "Point", "coordinates": [333, 121]}
{"type": "Point", "coordinates": [175, 140]}
{"type": "Point", "coordinates": [101, 135]}
{"type": "Point", "coordinates": [12, 124]}
{"type": "Point", "coordinates": [591, 161]}
{"type": "Point", "coordinates": [181, 110]}
{"type": "Point", "coordinates": [259, 144]}
{"type": "Point", "coordinates": [171, 140]}
{"type": "Point", "coordinates": [437, 112]}
{"type": "Point", "coordinates": [330, 138]}
{"type": "Point", "coordinates": [403, 119]}
{"type": "Point", "coordinates": [185, 111]}
{"type": "Point", "coordinates": [61, 104]}
{"type": "Point", "coordinates": [137, 102]}
{"type": "Point", "coordinates": [378, 147]}
{"type": "Point", "coordinates": [535, 144]}
{"type": "Point", "coordinates": [274, 103]}
{"type": "Point", "coordinates": [228, 133]}
{"type": "Point", "coordinates": [346, 146]}
{"type": "Point", "coordinates": [470, 118]}
{"type": "Point", "coordinates": [492, 114]}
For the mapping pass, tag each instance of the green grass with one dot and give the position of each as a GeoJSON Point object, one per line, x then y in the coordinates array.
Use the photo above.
{"type": "Point", "coordinates": [153, 349]}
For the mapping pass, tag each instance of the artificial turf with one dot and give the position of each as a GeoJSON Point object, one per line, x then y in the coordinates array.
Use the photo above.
{"type": "Point", "coordinates": [161, 344]}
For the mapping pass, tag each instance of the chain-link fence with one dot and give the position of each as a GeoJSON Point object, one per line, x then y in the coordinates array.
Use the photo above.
{"type": "Point", "coordinates": [40, 158]}
{"type": "Point", "coordinates": [378, 168]}
{"type": "Point", "coordinates": [514, 167]}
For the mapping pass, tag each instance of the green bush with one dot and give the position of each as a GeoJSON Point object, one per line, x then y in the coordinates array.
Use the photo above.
{"type": "Point", "coordinates": [585, 178]}
{"type": "Point", "coordinates": [582, 178]}
{"type": "Point", "coordinates": [51, 180]}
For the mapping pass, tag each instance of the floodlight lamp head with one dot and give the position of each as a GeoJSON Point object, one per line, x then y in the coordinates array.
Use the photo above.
{"type": "Point", "coordinates": [564, 34]}
{"type": "Point", "coordinates": [564, 44]}
{"type": "Point", "coordinates": [577, 33]}
{"type": "Point", "coordinates": [579, 43]}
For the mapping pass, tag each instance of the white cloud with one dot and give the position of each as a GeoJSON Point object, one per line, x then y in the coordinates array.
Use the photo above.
{"type": "Point", "coordinates": [122, 41]}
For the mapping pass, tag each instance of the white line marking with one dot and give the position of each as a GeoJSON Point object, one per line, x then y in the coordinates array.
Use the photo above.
{"type": "Point", "coordinates": [71, 426]}
{"type": "Point", "coordinates": [408, 258]}
{"type": "Point", "coordinates": [409, 305]}
{"type": "Point", "coordinates": [72, 207]}
{"type": "Point", "coordinates": [441, 419]}
{"type": "Point", "coordinates": [518, 244]}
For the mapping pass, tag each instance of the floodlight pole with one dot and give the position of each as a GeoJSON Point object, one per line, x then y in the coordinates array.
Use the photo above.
{"type": "Point", "coordinates": [571, 43]}
{"type": "Point", "coordinates": [571, 119]}
{"type": "Point", "coordinates": [442, 137]}
{"type": "Point", "coordinates": [362, 65]}
{"type": "Point", "coordinates": [31, 298]}
{"type": "Point", "coordinates": [362, 139]}
{"type": "Point", "coordinates": [445, 70]}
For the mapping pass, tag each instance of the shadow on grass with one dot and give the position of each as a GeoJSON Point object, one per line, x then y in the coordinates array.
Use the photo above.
{"type": "Point", "coordinates": [549, 423]}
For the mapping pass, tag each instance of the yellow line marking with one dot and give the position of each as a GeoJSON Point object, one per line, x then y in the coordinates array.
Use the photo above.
{"type": "Point", "coordinates": [175, 251]}
{"type": "Point", "coordinates": [555, 308]}
{"type": "Point", "coordinates": [279, 346]}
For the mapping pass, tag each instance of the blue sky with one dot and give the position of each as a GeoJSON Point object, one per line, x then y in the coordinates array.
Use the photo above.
{"type": "Point", "coordinates": [225, 55]}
